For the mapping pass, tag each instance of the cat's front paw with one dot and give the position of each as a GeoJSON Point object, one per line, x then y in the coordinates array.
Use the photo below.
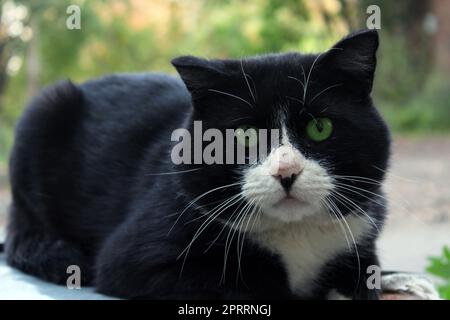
{"type": "Point", "coordinates": [408, 285]}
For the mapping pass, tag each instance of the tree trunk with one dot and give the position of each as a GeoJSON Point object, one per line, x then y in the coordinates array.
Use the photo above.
{"type": "Point", "coordinates": [33, 63]}
{"type": "Point", "coordinates": [441, 10]}
{"type": "Point", "coordinates": [3, 60]}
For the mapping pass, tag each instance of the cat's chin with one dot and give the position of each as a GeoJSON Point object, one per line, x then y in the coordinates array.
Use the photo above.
{"type": "Point", "coordinates": [290, 201]}
{"type": "Point", "coordinates": [291, 210]}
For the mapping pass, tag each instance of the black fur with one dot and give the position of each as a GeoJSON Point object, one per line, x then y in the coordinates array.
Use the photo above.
{"type": "Point", "coordinates": [86, 188]}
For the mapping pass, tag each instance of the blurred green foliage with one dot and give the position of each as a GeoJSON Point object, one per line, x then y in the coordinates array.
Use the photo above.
{"type": "Point", "coordinates": [138, 35]}
{"type": "Point", "coordinates": [440, 267]}
{"type": "Point", "coordinates": [426, 111]}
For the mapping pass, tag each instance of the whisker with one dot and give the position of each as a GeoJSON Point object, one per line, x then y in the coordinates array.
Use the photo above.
{"type": "Point", "coordinates": [206, 223]}
{"type": "Point", "coordinates": [198, 198]}
{"type": "Point", "coordinates": [256, 209]}
{"type": "Point", "coordinates": [342, 200]}
{"type": "Point", "coordinates": [202, 215]}
{"type": "Point", "coordinates": [331, 210]}
{"type": "Point", "coordinates": [400, 204]}
{"type": "Point", "coordinates": [389, 173]}
{"type": "Point", "coordinates": [304, 81]}
{"type": "Point", "coordinates": [353, 189]}
{"type": "Point", "coordinates": [225, 225]}
{"type": "Point", "coordinates": [228, 244]}
{"type": "Point", "coordinates": [324, 90]}
{"type": "Point", "coordinates": [348, 189]}
{"type": "Point", "coordinates": [237, 231]}
{"type": "Point", "coordinates": [307, 80]}
{"type": "Point", "coordinates": [254, 86]}
{"type": "Point", "coordinates": [323, 110]}
{"type": "Point", "coordinates": [328, 210]}
{"type": "Point", "coordinates": [231, 95]}
{"type": "Point", "coordinates": [312, 117]}
{"type": "Point", "coordinates": [258, 215]}
{"type": "Point", "coordinates": [246, 81]}
{"type": "Point", "coordinates": [241, 235]}
{"type": "Point", "coordinates": [309, 76]}
{"type": "Point", "coordinates": [213, 213]}
{"type": "Point", "coordinates": [358, 179]}
{"type": "Point", "coordinates": [298, 80]}
{"type": "Point", "coordinates": [354, 244]}
{"type": "Point", "coordinates": [240, 119]}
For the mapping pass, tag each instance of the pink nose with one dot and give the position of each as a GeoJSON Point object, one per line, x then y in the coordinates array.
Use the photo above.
{"type": "Point", "coordinates": [287, 163]}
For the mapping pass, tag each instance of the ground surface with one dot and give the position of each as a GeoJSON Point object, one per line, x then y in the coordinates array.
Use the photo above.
{"type": "Point", "coordinates": [418, 187]}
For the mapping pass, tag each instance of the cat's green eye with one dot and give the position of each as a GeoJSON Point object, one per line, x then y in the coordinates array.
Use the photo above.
{"type": "Point", "coordinates": [247, 135]}
{"type": "Point", "coordinates": [319, 129]}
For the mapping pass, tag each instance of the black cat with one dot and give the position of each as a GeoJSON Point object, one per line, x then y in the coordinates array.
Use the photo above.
{"type": "Point", "coordinates": [94, 183]}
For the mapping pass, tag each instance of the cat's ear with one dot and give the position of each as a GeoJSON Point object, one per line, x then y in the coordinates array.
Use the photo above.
{"type": "Point", "coordinates": [355, 56]}
{"type": "Point", "coordinates": [197, 73]}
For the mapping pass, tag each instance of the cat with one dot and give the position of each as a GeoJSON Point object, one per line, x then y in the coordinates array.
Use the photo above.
{"type": "Point", "coordinates": [94, 184]}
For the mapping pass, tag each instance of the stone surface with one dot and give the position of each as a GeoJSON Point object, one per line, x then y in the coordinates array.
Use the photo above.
{"type": "Point", "coordinates": [15, 285]}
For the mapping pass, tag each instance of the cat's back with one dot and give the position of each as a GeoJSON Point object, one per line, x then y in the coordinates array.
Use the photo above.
{"type": "Point", "coordinates": [132, 97]}
{"type": "Point", "coordinates": [79, 147]}
{"type": "Point", "coordinates": [117, 102]}
{"type": "Point", "coordinates": [128, 109]}
{"type": "Point", "coordinates": [124, 115]}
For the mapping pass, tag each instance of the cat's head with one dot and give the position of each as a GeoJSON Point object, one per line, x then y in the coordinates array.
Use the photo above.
{"type": "Point", "coordinates": [333, 147]}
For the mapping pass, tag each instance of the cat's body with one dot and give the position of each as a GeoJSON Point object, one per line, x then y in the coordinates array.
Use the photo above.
{"type": "Point", "coordinates": [94, 185]}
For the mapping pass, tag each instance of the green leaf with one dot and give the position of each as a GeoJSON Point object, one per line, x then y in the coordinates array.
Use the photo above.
{"type": "Point", "coordinates": [440, 266]}
{"type": "Point", "coordinates": [444, 292]}
{"type": "Point", "coordinates": [447, 253]}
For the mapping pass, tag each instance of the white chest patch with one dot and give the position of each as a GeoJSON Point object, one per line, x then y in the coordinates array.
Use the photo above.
{"type": "Point", "coordinates": [305, 246]}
